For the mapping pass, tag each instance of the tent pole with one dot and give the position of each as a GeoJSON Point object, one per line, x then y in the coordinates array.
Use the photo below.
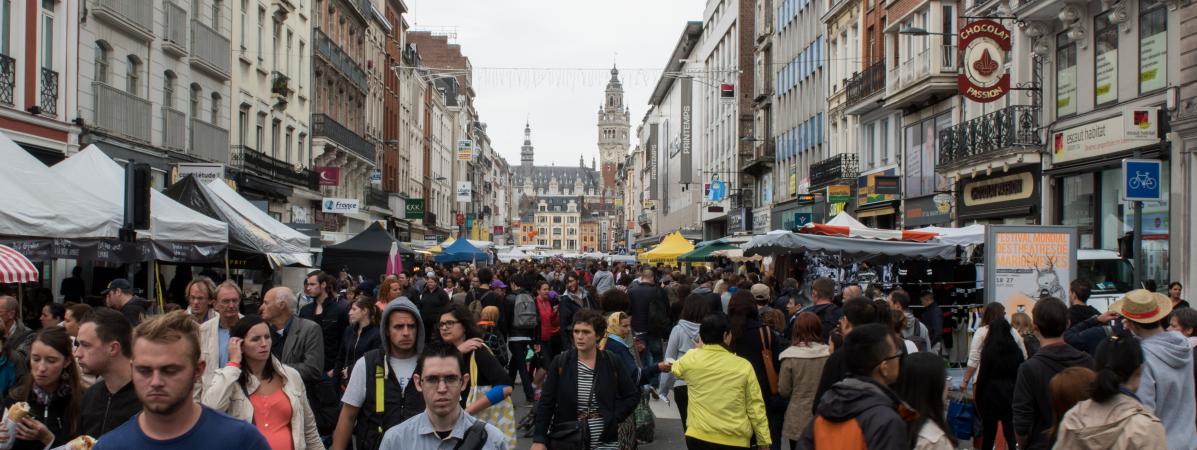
{"type": "Point", "coordinates": [158, 287]}
{"type": "Point", "coordinates": [226, 263]}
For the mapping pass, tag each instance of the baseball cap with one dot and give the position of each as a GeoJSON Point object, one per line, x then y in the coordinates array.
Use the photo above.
{"type": "Point", "coordinates": [498, 284]}
{"type": "Point", "coordinates": [119, 283]}
{"type": "Point", "coordinates": [760, 291]}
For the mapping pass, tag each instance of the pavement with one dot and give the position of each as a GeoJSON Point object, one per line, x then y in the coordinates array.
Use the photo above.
{"type": "Point", "coordinates": [669, 433]}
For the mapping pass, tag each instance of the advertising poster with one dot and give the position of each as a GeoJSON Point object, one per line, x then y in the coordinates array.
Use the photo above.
{"type": "Point", "coordinates": [1026, 263]}
{"type": "Point", "coordinates": [465, 150]}
{"type": "Point", "coordinates": [1107, 76]}
{"type": "Point", "coordinates": [1153, 62]}
{"type": "Point", "coordinates": [1066, 90]}
{"type": "Point", "coordinates": [465, 190]}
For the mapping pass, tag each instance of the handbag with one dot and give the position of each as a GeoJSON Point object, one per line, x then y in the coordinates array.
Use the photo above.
{"type": "Point", "coordinates": [961, 415]}
{"type": "Point", "coordinates": [767, 356]}
{"type": "Point", "coordinates": [565, 435]}
{"type": "Point", "coordinates": [502, 414]}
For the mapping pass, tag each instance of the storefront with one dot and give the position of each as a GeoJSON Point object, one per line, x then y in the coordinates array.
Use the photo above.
{"type": "Point", "coordinates": [1001, 198]}
{"type": "Point", "coordinates": [794, 214]}
{"type": "Point", "coordinates": [929, 210]}
{"type": "Point", "coordinates": [877, 205]}
{"type": "Point", "coordinates": [1086, 185]}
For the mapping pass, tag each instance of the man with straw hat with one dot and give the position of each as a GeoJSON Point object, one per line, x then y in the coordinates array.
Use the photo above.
{"type": "Point", "coordinates": [1166, 383]}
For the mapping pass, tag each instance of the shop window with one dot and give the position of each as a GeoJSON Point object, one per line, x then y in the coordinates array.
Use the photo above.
{"type": "Point", "coordinates": [1076, 205]}
{"type": "Point", "coordinates": [1105, 60]}
{"type": "Point", "coordinates": [1065, 76]}
{"type": "Point", "coordinates": [1153, 45]}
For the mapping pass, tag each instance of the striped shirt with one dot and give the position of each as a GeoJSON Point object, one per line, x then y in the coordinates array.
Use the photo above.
{"type": "Point", "coordinates": [594, 424]}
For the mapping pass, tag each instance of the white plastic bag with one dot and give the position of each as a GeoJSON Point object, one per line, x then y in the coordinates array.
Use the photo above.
{"type": "Point", "coordinates": [10, 432]}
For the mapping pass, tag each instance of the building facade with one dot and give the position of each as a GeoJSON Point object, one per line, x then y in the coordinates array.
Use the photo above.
{"type": "Point", "coordinates": [800, 102]}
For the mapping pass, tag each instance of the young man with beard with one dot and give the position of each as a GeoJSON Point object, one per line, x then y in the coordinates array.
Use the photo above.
{"type": "Point", "coordinates": [388, 369]}
{"type": "Point", "coordinates": [103, 350]}
{"type": "Point", "coordinates": [166, 365]}
{"type": "Point", "coordinates": [327, 311]}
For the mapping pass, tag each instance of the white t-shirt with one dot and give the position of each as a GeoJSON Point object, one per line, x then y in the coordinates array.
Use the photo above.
{"type": "Point", "coordinates": [355, 391]}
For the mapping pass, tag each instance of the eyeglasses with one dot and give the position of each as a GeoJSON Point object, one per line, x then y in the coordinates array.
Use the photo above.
{"type": "Point", "coordinates": [448, 323]}
{"type": "Point", "coordinates": [448, 380]}
{"type": "Point", "coordinates": [895, 356]}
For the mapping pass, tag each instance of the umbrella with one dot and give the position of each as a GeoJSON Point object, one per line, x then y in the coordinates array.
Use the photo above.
{"type": "Point", "coordinates": [15, 267]}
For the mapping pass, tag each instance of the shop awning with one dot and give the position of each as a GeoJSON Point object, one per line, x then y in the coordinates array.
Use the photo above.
{"type": "Point", "coordinates": [705, 252]}
{"type": "Point", "coordinates": [15, 267]}
{"type": "Point", "coordinates": [671, 247]}
{"type": "Point", "coordinates": [844, 225]}
{"type": "Point", "coordinates": [785, 242]}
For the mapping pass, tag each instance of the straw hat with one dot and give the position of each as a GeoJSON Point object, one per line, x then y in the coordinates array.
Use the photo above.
{"type": "Point", "coordinates": [1143, 306]}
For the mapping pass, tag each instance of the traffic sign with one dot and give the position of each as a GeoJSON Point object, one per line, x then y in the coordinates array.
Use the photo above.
{"type": "Point", "coordinates": [1141, 180]}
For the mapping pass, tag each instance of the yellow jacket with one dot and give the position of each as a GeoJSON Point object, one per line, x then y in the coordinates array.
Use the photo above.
{"type": "Point", "coordinates": [725, 401]}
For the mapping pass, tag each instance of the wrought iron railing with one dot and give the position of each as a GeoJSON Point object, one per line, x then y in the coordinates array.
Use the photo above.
{"type": "Point", "coordinates": [377, 198]}
{"type": "Point", "coordinates": [866, 83]}
{"type": "Point", "coordinates": [334, 56]}
{"type": "Point", "coordinates": [838, 167]}
{"type": "Point", "coordinates": [49, 91]}
{"type": "Point", "coordinates": [8, 79]}
{"type": "Point", "coordinates": [210, 50]}
{"type": "Point", "coordinates": [273, 168]}
{"type": "Point", "coordinates": [280, 84]}
{"type": "Point", "coordinates": [323, 125]}
{"type": "Point", "coordinates": [133, 120]}
{"type": "Point", "coordinates": [1011, 127]}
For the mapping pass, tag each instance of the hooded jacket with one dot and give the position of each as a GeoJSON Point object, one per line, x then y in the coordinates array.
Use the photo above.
{"type": "Point", "coordinates": [1166, 386]}
{"type": "Point", "coordinates": [1032, 405]}
{"type": "Point", "coordinates": [857, 413]}
{"type": "Point", "coordinates": [398, 403]}
{"type": "Point", "coordinates": [725, 406]}
{"type": "Point", "coordinates": [681, 340]}
{"type": "Point", "coordinates": [713, 300]}
{"type": "Point", "coordinates": [1121, 423]}
{"type": "Point", "coordinates": [801, 367]}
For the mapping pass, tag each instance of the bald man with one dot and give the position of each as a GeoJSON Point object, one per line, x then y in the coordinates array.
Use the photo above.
{"type": "Point", "coordinates": [296, 342]}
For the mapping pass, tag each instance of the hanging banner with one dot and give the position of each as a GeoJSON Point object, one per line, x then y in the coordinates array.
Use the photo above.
{"type": "Point", "coordinates": [687, 155]}
{"type": "Point", "coordinates": [465, 150]}
{"type": "Point", "coordinates": [1024, 264]}
{"type": "Point", "coordinates": [329, 176]}
{"type": "Point", "coordinates": [986, 44]}
{"type": "Point", "coordinates": [652, 161]}
{"type": "Point", "coordinates": [464, 191]}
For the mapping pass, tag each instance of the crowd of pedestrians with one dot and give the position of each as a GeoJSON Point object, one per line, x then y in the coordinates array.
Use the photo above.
{"type": "Point", "coordinates": [431, 359]}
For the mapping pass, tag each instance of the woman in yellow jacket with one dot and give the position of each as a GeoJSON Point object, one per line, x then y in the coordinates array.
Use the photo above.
{"type": "Point", "coordinates": [726, 407]}
{"type": "Point", "coordinates": [257, 388]}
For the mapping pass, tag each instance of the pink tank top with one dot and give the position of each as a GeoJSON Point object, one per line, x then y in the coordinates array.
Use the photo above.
{"type": "Point", "coordinates": [272, 416]}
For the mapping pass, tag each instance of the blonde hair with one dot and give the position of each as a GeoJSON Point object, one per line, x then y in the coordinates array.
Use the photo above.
{"type": "Point", "coordinates": [170, 328]}
{"type": "Point", "coordinates": [613, 324]}
{"type": "Point", "coordinates": [1022, 322]}
{"type": "Point", "coordinates": [490, 314]}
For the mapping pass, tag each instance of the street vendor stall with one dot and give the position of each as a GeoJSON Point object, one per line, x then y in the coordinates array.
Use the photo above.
{"type": "Point", "coordinates": [367, 253]}
{"type": "Point", "coordinates": [462, 251]}
{"type": "Point", "coordinates": [845, 225]}
{"type": "Point", "coordinates": [785, 242]}
{"type": "Point", "coordinates": [673, 246]}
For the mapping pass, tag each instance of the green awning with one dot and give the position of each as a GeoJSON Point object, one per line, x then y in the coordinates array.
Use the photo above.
{"type": "Point", "coordinates": [703, 253]}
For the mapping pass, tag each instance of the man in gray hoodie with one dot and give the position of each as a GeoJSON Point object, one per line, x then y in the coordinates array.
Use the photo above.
{"type": "Point", "coordinates": [1166, 384]}
{"type": "Point", "coordinates": [361, 416]}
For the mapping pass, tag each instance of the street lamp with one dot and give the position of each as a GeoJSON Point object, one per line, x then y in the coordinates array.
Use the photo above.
{"type": "Point", "coordinates": [916, 31]}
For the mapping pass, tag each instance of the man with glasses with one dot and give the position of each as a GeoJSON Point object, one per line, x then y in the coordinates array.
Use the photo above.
{"type": "Point", "coordinates": [444, 424]}
{"type": "Point", "coordinates": [201, 293]}
{"type": "Point", "coordinates": [861, 411]}
{"type": "Point", "coordinates": [214, 334]}
{"type": "Point", "coordinates": [363, 416]}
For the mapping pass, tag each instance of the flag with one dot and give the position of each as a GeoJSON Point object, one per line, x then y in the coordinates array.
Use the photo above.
{"type": "Point", "coordinates": [394, 261]}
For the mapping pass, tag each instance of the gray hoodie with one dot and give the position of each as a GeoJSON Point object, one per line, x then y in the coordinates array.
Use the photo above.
{"type": "Point", "coordinates": [681, 340]}
{"type": "Point", "coordinates": [400, 304]}
{"type": "Point", "coordinates": [1167, 386]}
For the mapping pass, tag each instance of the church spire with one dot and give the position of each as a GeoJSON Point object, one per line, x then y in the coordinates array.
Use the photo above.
{"type": "Point", "coordinates": [527, 159]}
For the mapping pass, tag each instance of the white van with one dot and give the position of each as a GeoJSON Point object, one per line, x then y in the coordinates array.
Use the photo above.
{"type": "Point", "coordinates": [1109, 274]}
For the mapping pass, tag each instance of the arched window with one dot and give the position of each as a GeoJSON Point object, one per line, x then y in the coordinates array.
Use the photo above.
{"type": "Point", "coordinates": [103, 52]}
{"type": "Point", "coordinates": [194, 103]}
{"type": "Point", "coordinates": [133, 75]}
{"type": "Point", "coordinates": [168, 89]}
{"type": "Point", "coordinates": [215, 108]}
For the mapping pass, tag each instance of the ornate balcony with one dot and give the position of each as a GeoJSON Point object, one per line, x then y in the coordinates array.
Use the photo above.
{"type": "Point", "coordinates": [8, 79]}
{"type": "Point", "coordinates": [174, 40]}
{"type": "Point", "coordinates": [836, 168]}
{"type": "Point", "coordinates": [134, 16]}
{"type": "Point", "coordinates": [49, 92]}
{"type": "Point", "coordinates": [280, 84]}
{"type": "Point", "coordinates": [210, 50]}
{"type": "Point", "coordinates": [325, 126]}
{"type": "Point", "coordinates": [209, 141]}
{"type": "Point", "coordinates": [332, 54]}
{"type": "Point", "coordinates": [272, 168]}
{"type": "Point", "coordinates": [174, 130]}
{"type": "Point", "coordinates": [866, 85]}
{"type": "Point", "coordinates": [1009, 129]}
{"type": "Point", "coordinates": [133, 122]}
{"type": "Point", "coordinates": [376, 198]}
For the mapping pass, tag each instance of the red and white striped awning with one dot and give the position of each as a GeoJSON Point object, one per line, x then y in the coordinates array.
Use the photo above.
{"type": "Point", "coordinates": [844, 225]}
{"type": "Point", "coordinates": [15, 267]}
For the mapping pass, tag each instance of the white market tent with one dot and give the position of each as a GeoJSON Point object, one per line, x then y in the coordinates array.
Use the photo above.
{"type": "Point", "coordinates": [92, 171]}
{"type": "Point", "coordinates": [513, 254]}
{"type": "Point", "coordinates": [289, 247]}
{"type": "Point", "coordinates": [36, 203]}
{"type": "Point", "coordinates": [971, 235]}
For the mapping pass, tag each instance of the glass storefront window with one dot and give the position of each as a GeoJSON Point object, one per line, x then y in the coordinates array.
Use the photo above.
{"type": "Point", "coordinates": [1077, 205]}
{"type": "Point", "coordinates": [1111, 210]}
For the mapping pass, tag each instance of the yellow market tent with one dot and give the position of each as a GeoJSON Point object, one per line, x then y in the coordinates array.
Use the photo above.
{"type": "Point", "coordinates": [436, 249]}
{"type": "Point", "coordinates": [671, 247]}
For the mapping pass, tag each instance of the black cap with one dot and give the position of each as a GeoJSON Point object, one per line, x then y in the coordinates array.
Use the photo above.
{"type": "Point", "coordinates": [119, 283]}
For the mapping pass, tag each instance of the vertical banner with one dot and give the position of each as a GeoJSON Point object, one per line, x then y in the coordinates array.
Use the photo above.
{"type": "Point", "coordinates": [1026, 263]}
{"type": "Point", "coordinates": [687, 176]}
{"type": "Point", "coordinates": [653, 148]}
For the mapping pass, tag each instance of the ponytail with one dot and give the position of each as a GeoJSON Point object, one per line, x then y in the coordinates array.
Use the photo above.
{"type": "Point", "coordinates": [1118, 359]}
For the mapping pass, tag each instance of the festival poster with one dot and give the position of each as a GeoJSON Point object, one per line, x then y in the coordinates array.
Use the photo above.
{"type": "Point", "coordinates": [1026, 263]}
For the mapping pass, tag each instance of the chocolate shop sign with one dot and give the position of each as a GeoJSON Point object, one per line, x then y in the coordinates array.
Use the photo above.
{"type": "Point", "coordinates": [984, 77]}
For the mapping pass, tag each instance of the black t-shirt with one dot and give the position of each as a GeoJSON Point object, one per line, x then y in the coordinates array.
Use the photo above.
{"type": "Point", "coordinates": [136, 310]}
{"type": "Point", "coordinates": [490, 371]}
{"type": "Point", "coordinates": [101, 412]}
{"type": "Point", "coordinates": [1079, 313]}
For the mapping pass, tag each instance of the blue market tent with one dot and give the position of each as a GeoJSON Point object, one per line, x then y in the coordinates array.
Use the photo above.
{"type": "Point", "coordinates": [462, 251]}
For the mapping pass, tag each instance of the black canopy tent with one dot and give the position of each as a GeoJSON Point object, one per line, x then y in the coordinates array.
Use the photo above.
{"type": "Point", "coordinates": [365, 254]}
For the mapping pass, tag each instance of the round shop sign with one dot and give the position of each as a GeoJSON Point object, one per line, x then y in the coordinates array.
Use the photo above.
{"type": "Point", "coordinates": [985, 45]}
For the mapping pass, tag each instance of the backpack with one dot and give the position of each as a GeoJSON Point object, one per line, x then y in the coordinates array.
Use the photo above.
{"type": "Point", "coordinates": [497, 344]}
{"type": "Point", "coordinates": [658, 315]}
{"type": "Point", "coordinates": [476, 306]}
{"type": "Point", "coordinates": [918, 338]}
{"type": "Point", "coordinates": [523, 312]}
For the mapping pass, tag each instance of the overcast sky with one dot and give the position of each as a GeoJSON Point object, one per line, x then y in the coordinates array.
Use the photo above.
{"type": "Point", "coordinates": [548, 61]}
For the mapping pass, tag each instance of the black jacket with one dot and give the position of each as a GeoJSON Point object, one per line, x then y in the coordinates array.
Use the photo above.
{"type": "Point", "coordinates": [750, 345]}
{"type": "Point", "coordinates": [1032, 404]}
{"type": "Point", "coordinates": [102, 412]}
{"type": "Point", "coordinates": [432, 304]}
{"type": "Point", "coordinates": [714, 303]}
{"type": "Point", "coordinates": [641, 296]}
{"type": "Point", "coordinates": [136, 310]}
{"type": "Point", "coordinates": [354, 346]}
{"type": "Point", "coordinates": [571, 303]}
{"type": "Point", "coordinates": [877, 410]}
{"type": "Point", "coordinates": [333, 321]}
{"type": "Point", "coordinates": [932, 318]}
{"type": "Point", "coordinates": [835, 370]}
{"type": "Point", "coordinates": [399, 404]}
{"type": "Point", "coordinates": [53, 416]}
{"type": "Point", "coordinates": [829, 315]}
{"type": "Point", "coordinates": [1087, 334]}
{"type": "Point", "coordinates": [507, 316]}
{"type": "Point", "coordinates": [1079, 313]}
{"type": "Point", "coordinates": [559, 403]}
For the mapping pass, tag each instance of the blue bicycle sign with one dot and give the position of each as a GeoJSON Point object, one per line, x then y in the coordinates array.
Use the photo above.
{"type": "Point", "coordinates": [1142, 180]}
